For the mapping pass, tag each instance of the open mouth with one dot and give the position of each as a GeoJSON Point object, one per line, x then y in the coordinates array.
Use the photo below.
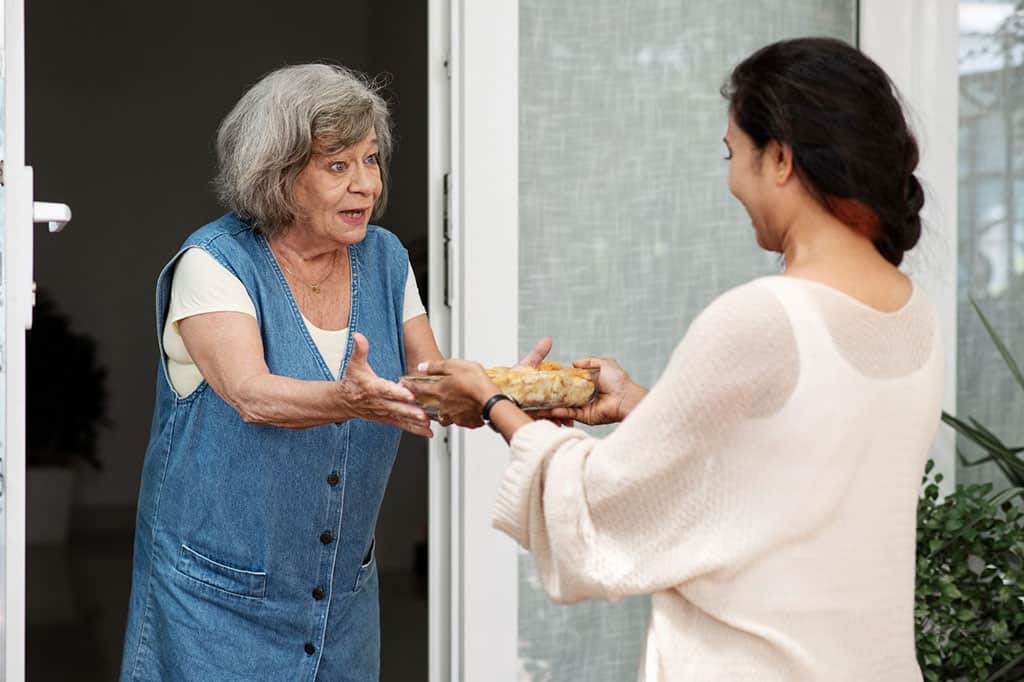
{"type": "Point", "coordinates": [354, 217]}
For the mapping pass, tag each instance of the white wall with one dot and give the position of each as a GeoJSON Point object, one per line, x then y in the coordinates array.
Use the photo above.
{"type": "Point", "coordinates": [123, 103]}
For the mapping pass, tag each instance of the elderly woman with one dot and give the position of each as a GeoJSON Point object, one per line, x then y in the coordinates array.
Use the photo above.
{"type": "Point", "coordinates": [265, 472]}
{"type": "Point", "coordinates": [764, 491]}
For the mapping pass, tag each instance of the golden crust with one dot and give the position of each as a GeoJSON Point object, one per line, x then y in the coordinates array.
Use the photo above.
{"type": "Point", "coordinates": [549, 385]}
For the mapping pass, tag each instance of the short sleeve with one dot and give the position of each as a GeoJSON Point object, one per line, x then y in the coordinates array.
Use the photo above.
{"type": "Point", "coordinates": [202, 285]}
{"type": "Point", "coordinates": [413, 306]}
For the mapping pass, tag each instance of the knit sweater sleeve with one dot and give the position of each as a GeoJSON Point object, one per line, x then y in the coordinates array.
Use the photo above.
{"type": "Point", "coordinates": [661, 499]}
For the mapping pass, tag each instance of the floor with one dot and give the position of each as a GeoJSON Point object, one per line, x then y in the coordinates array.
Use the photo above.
{"type": "Point", "coordinates": [78, 600]}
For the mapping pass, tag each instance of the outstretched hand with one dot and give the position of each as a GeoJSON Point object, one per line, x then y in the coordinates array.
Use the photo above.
{"type": "Point", "coordinates": [537, 355]}
{"type": "Point", "coordinates": [617, 395]}
{"type": "Point", "coordinates": [370, 397]}
{"type": "Point", "coordinates": [533, 359]}
{"type": "Point", "coordinates": [461, 393]}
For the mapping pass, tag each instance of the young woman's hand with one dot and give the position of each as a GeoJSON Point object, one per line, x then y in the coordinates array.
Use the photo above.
{"type": "Point", "coordinates": [461, 393]}
{"type": "Point", "coordinates": [617, 395]}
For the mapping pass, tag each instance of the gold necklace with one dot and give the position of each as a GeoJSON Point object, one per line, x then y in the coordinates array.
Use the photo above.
{"type": "Point", "coordinates": [314, 287]}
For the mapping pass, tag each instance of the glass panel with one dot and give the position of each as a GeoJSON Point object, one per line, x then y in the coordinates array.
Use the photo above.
{"type": "Point", "coordinates": [991, 236]}
{"type": "Point", "coordinates": [627, 227]}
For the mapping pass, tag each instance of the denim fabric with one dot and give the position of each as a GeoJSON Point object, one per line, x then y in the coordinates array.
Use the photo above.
{"type": "Point", "coordinates": [238, 524]}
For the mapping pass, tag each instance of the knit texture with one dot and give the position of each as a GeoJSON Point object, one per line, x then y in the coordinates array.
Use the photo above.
{"type": "Point", "coordinates": [764, 491]}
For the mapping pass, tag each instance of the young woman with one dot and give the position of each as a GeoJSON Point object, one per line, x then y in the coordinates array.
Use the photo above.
{"type": "Point", "coordinates": [764, 490]}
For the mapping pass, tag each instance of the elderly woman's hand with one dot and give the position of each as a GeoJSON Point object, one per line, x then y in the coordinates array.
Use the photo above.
{"type": "Point", "coordinates": [367, 396]}
{"type": "Point", "coordinates": [460, 394]}
{"type": "Point", "coordinates": [537, 355]}
{"type": "Point", "coordinates": [533, 359]}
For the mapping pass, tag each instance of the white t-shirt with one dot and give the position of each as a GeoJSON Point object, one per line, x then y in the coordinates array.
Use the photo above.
{"type": "Point", "coordinates": [202, 285]}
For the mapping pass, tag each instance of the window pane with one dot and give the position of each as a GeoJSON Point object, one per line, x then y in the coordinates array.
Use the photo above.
{"type": "Point", "coordinates": [991, 238]}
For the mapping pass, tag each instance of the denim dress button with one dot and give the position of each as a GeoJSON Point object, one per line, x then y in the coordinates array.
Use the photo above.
{"type": "Point", "coordinates": [333, 478]}
{"type": "Point", "coordinates": [318, 594]}
{"type": "Point", "coordinates": [310, 649]}
{"type": "Point", "coordinates": [326, 537]}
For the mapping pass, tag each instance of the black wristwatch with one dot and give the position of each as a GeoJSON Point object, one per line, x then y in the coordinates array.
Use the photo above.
{"type": "Point", "coordinates": [485, 413]}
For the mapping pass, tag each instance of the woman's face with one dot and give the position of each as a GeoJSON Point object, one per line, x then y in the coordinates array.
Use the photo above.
{"type": "Point", "coordinates": [751, 182]}
{"type": "Point", "coordinates": [335, 194]}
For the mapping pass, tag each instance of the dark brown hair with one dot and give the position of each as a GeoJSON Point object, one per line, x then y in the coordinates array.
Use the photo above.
{"type": "Point", "coordinates": [841, 115]}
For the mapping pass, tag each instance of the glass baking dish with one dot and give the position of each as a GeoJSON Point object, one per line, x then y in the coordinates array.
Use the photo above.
{"type": "Point", "coordinates": [533, 389]}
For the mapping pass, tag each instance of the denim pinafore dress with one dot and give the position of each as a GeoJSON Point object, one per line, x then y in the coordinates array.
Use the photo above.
{"type": "Point", "coordinates": [254, 544]}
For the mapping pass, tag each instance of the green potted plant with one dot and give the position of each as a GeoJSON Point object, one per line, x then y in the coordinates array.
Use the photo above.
{"type": "Point", "coordinates": [969, 607]}
{"type": "Point", "coordinates": [66, 404]}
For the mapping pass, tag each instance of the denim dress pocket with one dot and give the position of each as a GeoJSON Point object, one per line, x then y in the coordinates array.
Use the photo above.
{"type": "Point", "coordinates": [236, 582]}
{"type": "Point", "coordinates": [368, 567]}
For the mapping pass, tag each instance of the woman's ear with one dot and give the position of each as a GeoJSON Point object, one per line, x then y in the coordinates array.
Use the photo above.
{"type": "Point", "coordinates": [783, 154]}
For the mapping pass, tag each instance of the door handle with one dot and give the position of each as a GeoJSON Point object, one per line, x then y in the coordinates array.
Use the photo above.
{"type": "Point", "coordinates": [57, 215]}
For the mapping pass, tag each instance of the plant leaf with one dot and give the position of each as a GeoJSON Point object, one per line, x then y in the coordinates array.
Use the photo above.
{"type": "Point", "coordinates": [1011, 466]}
{"type": "Point", "coordinates": [1006, 668]}
{"type": "Point", "coordinates": [1007, 358]}
{"type": "Point", "coordinates": [991, 436]}
{"type": "Point", "coordinates": [975, 462]}
{"type": "Point", "coordinates": [1005, 496]}
{"type": "Point", "coordinates": [995, 500]}
{"type": "Point", "coordinates": [971, 433]}
{"type": "Point", "coordinates": [1007, 461]}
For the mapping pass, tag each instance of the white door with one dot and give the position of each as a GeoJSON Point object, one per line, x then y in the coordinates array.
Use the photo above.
{"type": "Point", "coordinates": [18, 212]}
{"type": "Point", "coordinates": [583, 204]}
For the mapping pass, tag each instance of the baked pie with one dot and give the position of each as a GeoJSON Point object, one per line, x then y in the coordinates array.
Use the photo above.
{"type": "Point", "coordinates": [549, 385]}
{"type": "Point", "coordinates": [546, 386]}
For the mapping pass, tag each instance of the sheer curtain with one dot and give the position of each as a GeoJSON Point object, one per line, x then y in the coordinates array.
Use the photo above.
{"type": "Point", "coordinates": [627, 227]}
{"type": "Point", "coordinates": [991, 235]}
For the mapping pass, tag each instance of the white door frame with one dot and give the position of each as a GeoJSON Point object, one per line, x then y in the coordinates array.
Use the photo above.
{"type": "Point", "coordinates": [476, 145]}
{"type": "Point", "coordinates": [17, 306]}
{"type": "Point", "coordinates": [475, 602]}
{"type": "Point", "coordinates": [439, 459]}
{"type": "Point", "coordinates": [16, 301]}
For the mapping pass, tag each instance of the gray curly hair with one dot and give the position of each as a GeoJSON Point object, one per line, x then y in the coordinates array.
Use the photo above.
{"type": "Point", "coordinates": [275, 128]}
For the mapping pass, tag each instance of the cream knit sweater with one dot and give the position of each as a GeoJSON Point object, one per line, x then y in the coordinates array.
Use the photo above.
{"type": "Point", "coordinates": [764, 491]}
